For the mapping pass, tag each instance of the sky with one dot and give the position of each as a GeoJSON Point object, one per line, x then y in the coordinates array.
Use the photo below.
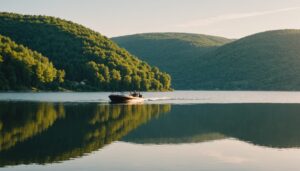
{"type": "Point", "coordinates": [227, 18]}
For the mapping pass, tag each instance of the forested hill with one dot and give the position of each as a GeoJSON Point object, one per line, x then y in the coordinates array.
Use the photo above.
{"type": "Point", "coordinates": [199, 40]}
{"type": "Point", "coordinates": [263, 61]}
{"type": "Point", "coordinates": [90, 61]}
{"type": "Point", "coordinates": [22, 68]}
{"type": "Point", "coordinates": [175, 53]}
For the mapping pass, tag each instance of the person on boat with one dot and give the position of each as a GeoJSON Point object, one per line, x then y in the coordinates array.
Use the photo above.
{"type": "Point", "coordinates": [134, 94]}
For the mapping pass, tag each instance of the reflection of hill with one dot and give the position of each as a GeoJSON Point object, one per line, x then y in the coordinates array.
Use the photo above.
{"type": "Point", "coordinates": [20, 121]}
{"type": "Point", "coordinates": [175, 140]}
{"type": "Point", "coordinates": [273, 125]}
{"type": "Point", "coordinates": [85, 128]}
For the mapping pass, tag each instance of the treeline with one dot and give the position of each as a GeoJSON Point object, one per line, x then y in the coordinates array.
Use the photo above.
{"type": "Point", "coordinates": [264, 61]}
{"type": "Point", "coordinates": [90, 61]}
{"type": "Point", "coordinates": [175, 53]}
{"type": "Point", "coordinates": [22, 68]}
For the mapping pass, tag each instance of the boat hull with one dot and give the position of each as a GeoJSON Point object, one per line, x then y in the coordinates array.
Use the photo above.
{"type": "Point", "coordinates": [125, 99]}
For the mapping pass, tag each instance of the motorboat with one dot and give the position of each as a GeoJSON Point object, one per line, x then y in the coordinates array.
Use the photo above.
{"type": "Point", "coordinates": [122, 98]}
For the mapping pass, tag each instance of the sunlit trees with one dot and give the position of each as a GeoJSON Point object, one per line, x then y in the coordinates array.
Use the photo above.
{"type": "Point", "coordinates": [90, 61]}
{"type": "Point", "coordinates": [22, 68]}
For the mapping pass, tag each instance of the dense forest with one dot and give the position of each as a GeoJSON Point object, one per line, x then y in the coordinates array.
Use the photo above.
{"type": "Point", "coordinates": [22, 68]}
{"type": "Point", "coordinates": [263, 61]}
{"type": "Point", "coordinates": [172, 52]}
{"type": "Point", "coordinates": [47, 53]}
{"type": "Point", "coordinates": [85, 60]}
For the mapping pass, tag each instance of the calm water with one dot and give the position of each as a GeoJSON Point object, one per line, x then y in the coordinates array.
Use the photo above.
{"type": "Point", "coordinates": [170, 131]}
{"type": "Point", "coordinates": [177, 97]}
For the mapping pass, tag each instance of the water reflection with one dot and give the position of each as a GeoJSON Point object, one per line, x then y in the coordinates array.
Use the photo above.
{"type": "Point", "coordinates": [20, 121]}
{"type": "Point", "coordinates": [54, 132]}
{"type": "Point", "coordinates": [271, 125]}
{"type": "Point", "coordinates": [47, 132]}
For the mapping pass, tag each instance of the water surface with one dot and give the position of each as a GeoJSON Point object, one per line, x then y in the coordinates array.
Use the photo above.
{"type": "Point", "coordinates": [176, 97]}
{"type": "Point", "coordinates": [170, 131]}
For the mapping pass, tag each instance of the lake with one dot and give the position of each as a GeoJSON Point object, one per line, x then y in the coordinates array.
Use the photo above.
{"type": "Point", "coordinates": [178, 131]}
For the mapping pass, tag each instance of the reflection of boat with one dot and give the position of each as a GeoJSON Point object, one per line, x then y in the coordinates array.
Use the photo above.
{"type": "Point", "coordinates": [122, 98]}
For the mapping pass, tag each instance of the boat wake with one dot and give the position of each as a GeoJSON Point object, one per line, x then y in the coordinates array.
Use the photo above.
{"type": "Point", "coordinates": [157, 98]}
{"type": "Point", "coordinates": [173, 99]}
{"type": "Point", "coordinates": [177, 97]}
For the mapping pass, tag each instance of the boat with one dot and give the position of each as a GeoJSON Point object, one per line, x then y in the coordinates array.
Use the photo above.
{"type": "Point", "coordinates": [122, 98]}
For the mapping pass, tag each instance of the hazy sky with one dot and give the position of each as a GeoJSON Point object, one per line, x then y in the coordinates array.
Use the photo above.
{"type": "Point", "coordinates": [228, 18]}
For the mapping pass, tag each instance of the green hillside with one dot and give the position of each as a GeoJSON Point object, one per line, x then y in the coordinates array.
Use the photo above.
{"type": "Point", "coordinates": [90, 61]}
{"type": "Point", "coordinates": [172, 52]}
{"type": "Point", "coordinates": [22, 68]}
{"type": "Point", "coordinates": [264, 61]}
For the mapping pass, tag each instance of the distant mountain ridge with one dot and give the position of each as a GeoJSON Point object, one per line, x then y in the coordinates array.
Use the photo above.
{"type": "Point", "coordinates": [263, 61]}
{"type": "Point", "coordinates": [199, 40]}
{"type": "Point", "coordinates": [76, 58]}
{"type": "Point", "coordinates": [172, 52]}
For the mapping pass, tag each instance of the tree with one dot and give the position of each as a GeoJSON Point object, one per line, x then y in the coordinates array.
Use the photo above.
{"type": "Point", "coordinates": [136, 81]}
{"type": "Point", "coordinates": [22, 68]}
{"type": "Point", "coordinates": [127, 82]}
{"type": "Point", "coordinates": [156, 85]}
{"type": "Point", "coordinates": [61, 75]}
{"type": "Point", "coordinates": [115, 79]}
{"type": "Point", "coordinates": [165, 79]}
{"type": "Point", "coordinates": [146, 84]}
